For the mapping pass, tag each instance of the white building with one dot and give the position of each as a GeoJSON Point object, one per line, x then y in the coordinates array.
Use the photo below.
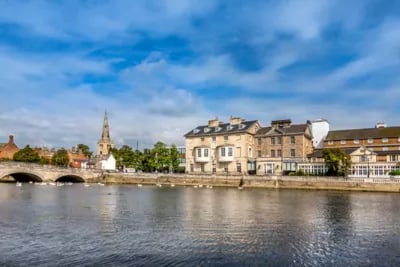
{"type": "Point", "coordinates": [319, 130]}
{"type": "Point", "coordinates": [108, 163]}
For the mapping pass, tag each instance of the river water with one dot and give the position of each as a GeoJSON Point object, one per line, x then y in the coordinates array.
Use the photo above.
{"type": "Point", "coordinates": [184, 226]}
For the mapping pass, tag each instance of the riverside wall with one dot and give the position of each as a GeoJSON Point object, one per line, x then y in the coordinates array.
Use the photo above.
{"type": "Point", "coordinates": [273, 182]}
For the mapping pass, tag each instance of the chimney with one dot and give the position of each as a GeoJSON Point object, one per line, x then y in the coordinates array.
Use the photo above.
{"type": "Point", "coordinates": [213, 123]}
{"type": "Point", "coordinates": [235, 120]}
{"type": "Point", "coordinates": [73, 149]}
{"type": "Point", "coordinates": [281, 123]}
{"type": "Point", "coordinates": [11, 139]}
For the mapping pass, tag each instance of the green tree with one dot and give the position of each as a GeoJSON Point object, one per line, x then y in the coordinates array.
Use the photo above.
{"type": "Point", "coordinates": [85, 150]}
{"type": "Point", "coordinates": [27, 154]}
{"type": "Point", "coordinates": [337, 161]}
{"type": "Point", "coordinates": [160, 159]}
{"type": "Point", "coordinates": [174, 158]}
{"type": "Point", "coordinates": [60, 158]}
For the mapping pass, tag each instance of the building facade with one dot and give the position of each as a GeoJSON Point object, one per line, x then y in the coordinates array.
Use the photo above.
{"type": "Point", "coordinates": [281, 146]}
{"type": "Point", "coordinates": [222, 147]}
{"type": "Point", "coordinates": [7, 150]}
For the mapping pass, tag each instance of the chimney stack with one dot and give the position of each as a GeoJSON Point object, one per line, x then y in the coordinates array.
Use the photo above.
{"type": "Point", "coordinates": [11, 139]}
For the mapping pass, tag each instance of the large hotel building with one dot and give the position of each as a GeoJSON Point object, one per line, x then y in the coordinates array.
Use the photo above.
{"type": "Point", "coordinates": [241, 147]}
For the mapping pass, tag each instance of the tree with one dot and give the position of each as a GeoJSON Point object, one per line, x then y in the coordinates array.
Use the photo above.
{"type": "Point", "coordinates": [27, 154]}
{"type": "Point", "coordinates": [160, 159]}
{"type": "Point", "coordinates": [337, 161]}
{"type": "Point", "coordinates": [60, 158]}
{"type": "Point", "coordinates": [174, 158]}
{"type": "Point", "coordinates": [85, 150]}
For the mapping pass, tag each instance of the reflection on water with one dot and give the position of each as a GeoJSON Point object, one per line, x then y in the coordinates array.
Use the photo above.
{"type": "Point", "coordinates": [184, 226]}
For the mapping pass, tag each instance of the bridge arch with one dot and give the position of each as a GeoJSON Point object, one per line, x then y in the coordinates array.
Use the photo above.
{"type": "Point", "coordinates": [65, 178]}
{"type": "Point", "coordinates": [23, 176]}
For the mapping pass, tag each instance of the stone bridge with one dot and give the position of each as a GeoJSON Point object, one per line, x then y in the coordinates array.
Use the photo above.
{"type": "Point", "coordinates": [25, 172]}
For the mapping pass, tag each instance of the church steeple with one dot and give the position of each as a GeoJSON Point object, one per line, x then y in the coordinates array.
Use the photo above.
{"type": "Point", "coordinates": [104, 145]}
{"type": "Point", "coordinates": [105, 135]}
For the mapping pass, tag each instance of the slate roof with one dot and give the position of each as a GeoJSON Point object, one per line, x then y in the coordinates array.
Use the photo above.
{"type": "Point", "coordinates": [363, 133]}
{"type": "Point", "coordinates": [317, 153]}
{"type": "Point", "coordinates": [223, 128]}
{"type": "Point", "coordinates": [292, 129]}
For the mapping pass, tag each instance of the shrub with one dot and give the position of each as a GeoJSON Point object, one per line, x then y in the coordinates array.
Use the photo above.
{"type": "Point", "coordinates": [395, 172]}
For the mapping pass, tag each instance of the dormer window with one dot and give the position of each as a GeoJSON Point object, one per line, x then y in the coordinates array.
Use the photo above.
{"type": "Point", "coordinates": [196, 131]}
{"type": "Point", "coordinates": [330, 142]}
{"type": "Point", "coordinates": [229, 127]}
{"type": "Point", "coordinates": [356, 141]}
{"type": "Point", "coordinates": [217, 129]}
{"type": "Point", "coordinates": [241, 126]}
{"type": "Point", "coordinates": [342, 142]}
{"type": "Point", "coordinates": [206, 130]}
{"type": "Point", "coordinates": [385, 140]}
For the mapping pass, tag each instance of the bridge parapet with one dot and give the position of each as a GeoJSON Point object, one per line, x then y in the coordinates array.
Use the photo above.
{"type": "Point", "coordinates": [46, 172]}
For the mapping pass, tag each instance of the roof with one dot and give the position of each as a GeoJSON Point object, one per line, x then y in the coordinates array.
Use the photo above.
{"type": "Point", "coordinates": [318, 152]}
{"type": "Point", "coordinates": [363, 133]}
{"type": "Point", "coordinates": [290, 130]}
{"type": "Point", "coordinates": [222, 128]}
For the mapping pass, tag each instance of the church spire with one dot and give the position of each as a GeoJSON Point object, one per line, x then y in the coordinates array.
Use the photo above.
{"type": "Point", "coordinates": [105, 135]}
{"type": "Point", "coordinates": [104, 145]}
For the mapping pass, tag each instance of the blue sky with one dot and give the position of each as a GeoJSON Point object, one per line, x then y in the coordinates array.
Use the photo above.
{"type": "Point", "coordinates": [160, 68]}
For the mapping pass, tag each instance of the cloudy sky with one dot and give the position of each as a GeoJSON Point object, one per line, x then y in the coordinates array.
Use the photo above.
{"type": "Point", "coordinates": [162, 67]}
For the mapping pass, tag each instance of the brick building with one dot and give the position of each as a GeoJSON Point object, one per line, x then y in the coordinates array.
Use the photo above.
{"type": "Point", "coordinates": [7, 150]}
{"type": "Point", "coordinates": [281, 146]}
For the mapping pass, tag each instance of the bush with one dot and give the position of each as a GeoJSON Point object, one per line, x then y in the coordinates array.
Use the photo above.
{"type": "Point", "coordinates": [394, 173]}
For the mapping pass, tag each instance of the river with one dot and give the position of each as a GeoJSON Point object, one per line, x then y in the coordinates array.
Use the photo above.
{"type": "Point", "coordinates": [184, 226]}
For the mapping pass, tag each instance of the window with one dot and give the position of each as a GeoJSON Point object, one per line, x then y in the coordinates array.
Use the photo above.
{"type": "Point", "coordinates": [370, 140]}
{"type": "Point", "coordinates": [272, 140]}
{"type": "Point", "coordinates": [385, 140]}
{"type": "Point", "coordinates": [214, 138]}
{"type": "Point", "coordinates": [385, 148]}
{"type": "Point", "coordinates": [330, 142]}
{"type": "Point", "coordinates": [364, 158]}
{"type": "Point", "coordinates": [206, 152]}
{"type": "Point", "coordinates": [259, 141]}
{"type": "Point", "coordinates": [259, 153]}
{"type": "Point", "coordinates": [273, 153]}
{"type": "Point", "coordinates": [238, 167]}
{"type": "Point", "coordinates": [226, 168]}
{"type": "Point", "coordinates": [279, 153]}
{"type": "Point", "coordinates": [356, 141]}
{"type": "Point", "coordinates": [292, 152]}
{"type": "Point", "coordinates": [279, 140]}
{"type": "Point", "coordinates": [225, 138]}
{"type": "Point", "coordinates": [393, 157]}
{"type": "Point", "coordinates": [343, 142]}
{"type": "Point", "coordinates": [230, 153]}
{"type": "Point", "coordinates": [202, 167]}
{"type": "Point", "coordinates": [199, 152]}
{"type": "Point", "coordinates": [202, 139]}
{"type": "Point", "coordinates": [222, 151]}
{"type": "Point", "coordinates": [292, 139]}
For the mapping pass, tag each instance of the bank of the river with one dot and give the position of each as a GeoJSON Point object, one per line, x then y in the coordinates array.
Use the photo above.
{"type": "Point", "coordinates": [286, 182]}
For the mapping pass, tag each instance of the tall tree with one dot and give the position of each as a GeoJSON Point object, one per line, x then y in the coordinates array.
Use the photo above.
{"type": "Point", "coordinates": [174, 158]}
{"type": "Point", "coordinates": [160, 159]}
{"type": "Point", "coordinates": [27, 154]}
{"type": "Point", "coordinates": [60, 158]}
{"type": "Point", "coordinates": [337, 162]}
{"type": "Point", "coordinates": [85, 150]}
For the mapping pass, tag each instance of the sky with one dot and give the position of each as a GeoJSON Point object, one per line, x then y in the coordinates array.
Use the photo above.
{"type": "Point", "coordinates": [160, 68]}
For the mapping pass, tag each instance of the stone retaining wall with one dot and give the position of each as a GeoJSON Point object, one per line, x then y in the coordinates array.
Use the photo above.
{"type": "Point", "coordinates": [286, 182]}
